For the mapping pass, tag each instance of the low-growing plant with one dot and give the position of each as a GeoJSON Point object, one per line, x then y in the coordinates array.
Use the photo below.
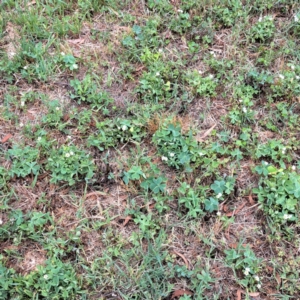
{"type": "Point", "coordinates": [202, 86]}
{"type": "Point", "coordinates": [245, 265]}
{"type": "Point", "coordinates": [24, 161]}
{"type": "Point", "coordinates": [70, 164]}
{"type": "Point", "coordinates": [263, 30]}
{"type": "Point", "coordinates": [278, 193]}
{"type": "Point", "coordinates": [176, 149]}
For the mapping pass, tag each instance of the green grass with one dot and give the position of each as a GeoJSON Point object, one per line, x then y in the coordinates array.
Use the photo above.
{"type": "Point", "coordinates": [149, 149]}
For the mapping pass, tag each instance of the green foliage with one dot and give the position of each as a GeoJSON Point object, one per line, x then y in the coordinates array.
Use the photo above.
{"type": "Point", "coordinates": [244, 262]}
{"type": "Point", "coordinates": [70, 164]}
{"type": "Point", "coordinates": [24, 161]}
{"type": "Point", "coordinates": [263, 30]}
{"type": "Point", "coordinates": [202, 86]}
{"type": "Point", "coordinates": [176, 149]}
{"type": "Point", "coordinates": [55, 280]}
{"type": "Point", "coordinates": [278, 193]}
{"type": "Point", "coordinates": [87, 91]}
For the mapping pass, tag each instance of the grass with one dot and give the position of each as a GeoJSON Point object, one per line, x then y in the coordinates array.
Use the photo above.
{"type": "Point", "coordinates": [149, 149]}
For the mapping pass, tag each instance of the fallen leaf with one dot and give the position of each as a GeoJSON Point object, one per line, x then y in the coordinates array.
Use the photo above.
{"type": "Point", "coordinates": [6, 138]}
{"type": "Point", "coordinates": [182, 256]}
{"type": "Point", "coordinates": [126, 220]}
{"type": "Point", "coordinates": [239, 295]}
{"type": "Point", "coordinates": [179, 293]}
{"type": "Point", "coordinates": [76, 41]}
{"type": "Point", "coordinates": [278, 279]}
{"type": "Point", "coordinates": [31, 3]}
{"type": "Point", "coordinates": [236, 211]}
{"type": "Point", "coordinates": [200, 138]}
{"type": "Point", "coordinates": [252, 202]}
{"type": "Point", "coordinates": [95, 194]}
{"type": "Point", "coordinates": [254, 294]}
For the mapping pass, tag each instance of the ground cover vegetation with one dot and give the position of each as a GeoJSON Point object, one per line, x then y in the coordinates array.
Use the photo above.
{"type": "Point", "coordinates": [149, 149]}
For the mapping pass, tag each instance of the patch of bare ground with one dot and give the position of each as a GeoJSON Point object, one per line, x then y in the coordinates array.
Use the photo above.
{"type": "Point", "coordinates": [28, 256]}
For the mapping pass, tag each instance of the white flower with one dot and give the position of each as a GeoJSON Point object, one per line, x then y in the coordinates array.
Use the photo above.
{"type": "Point", "coordinates": [67, 155]}
{"type": "Point", "coordinates": [256, 278]}
{"type": "Point", "coordinates": [39, 138]}
{"type": "Point", "coordinates": [266, 163]}
{"type": "Point", "coordinates": [286, 216]}
{"type": "Point", "coordinates": [219, 195]}
{"type": "Point", "coordinates": [293, 168]}
{"type": "Point", "coordinates": [171, 154]}
{"type": "Point", "coordinates": [240, 100]}
{"type": "Point", "coordinates": [62, 53]}
{"type": "Point", "coordinates": [46, 276]}
{"type": "Point", "coordinates": [1, 222]}
{"type": "Point", "coordinates": [57, 108]}
{"type": "Point", "coordinates": [180, 11]}
{"type": "Point", "coordinates": [124, 127]}
{"type": "Point", "coordinates": [22, 103]}
{"type": "Point", "coordinates": [244, 109]}
{"type": "Point", "coordinates": [260, 19]}
{"type": "Point", "coordinates": [69, 137]}
{"type": "Point", "coordinates": [25, 67]}
{"type": "Point", "coordinates": [201, 153]}
{"type": "Point", "coordinates": [281, 76]}
{"type": "Point", "coordinates": [297, 77]}
{"type": "Point", "coordinates": [219, 214]}
{"type": "Point", "coordinates": [12, 54]}
{"type": "Point", "coordinates": [157, 74]}
{"type": "Point", "coordinates": [200, 72]}
{"type": "Point", "coordinates": [71, 153]}
{"type": "Point", "coordinates": [292, 67]}
{"type": "Point", "coordinates": [258, 286]}
{"type": "Point", "coordinates": [160, 50]}
{"type": "Point", "coordinates": [75, 66]}
{"type": "Point", "coordinates": [163, 158]}
{"type": "Point", "coordinates": [247, 271]}
{"type": "Point", "coordinates": [296, 19]}
{"type": "Point", "coordinates": [21, 124]}
{"type": "Point", "coordinates": [283, 150]}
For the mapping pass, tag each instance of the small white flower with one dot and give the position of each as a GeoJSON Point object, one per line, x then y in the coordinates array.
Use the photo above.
{"type": "Point", "coordinates": [21, 124]}
{"type": "Point", "coordinates": [200, 72]}
{"type": "Point", "coordinates": [219, 195]}
{"type": "Point", "coordinates": [247, 271]}
{"type": "Point", "coordinates": [75, 66]}
{"type": "Point", "coordinates": [260, 19]}
{"type": "Point", "coordinates": [266, 163]}
{"type": "Point", "coordinates": [62, 53]}
{"type": "Point", "coordinates": [157, 74]}
{"type": "Point", "coordinates": [258, 286]}
{"type": "Point", "coordinates": [46, 276]}
{"type": "Point", "coordinates": [71, 153]}
{"type": "Point", "coordinates": [201, 153]}
{"type": "Point", "coordinates": [39, 138]}
{"type": "Point", "coordinates": [67, 155]}
{"type": "Point", "coordinates": [1, 222]}
{"type": "Point", "coordinates": [124, 127]}
{"type": "Point", "coordinates": [12, 54]}
{"type": "Point", "coordinates": [294, 168]}
{"type": "Point", "coordinates": [211, 76]}
{"type": "Point", "coordinates": [69, 137]}
{"type": "Point", "coordinates": [286, 216]}
{"type": "Point", "coordinates": [281, 76]}
{"type": "Point", "coordinates": [244, 109]}
{"type": "Point", "coordinates": [163, 158]}
{"type": "Point", "coordinates": [283, 151]}
{"type": "Point", "coordinates": [240, 100]}
{"type": "Point", "coordinates": [160, 50]}
{"type": "Point", "coordinates": [297, 77]}
{"type": "Point", "coordinates": [180, 11]}
{"type": "Point", "coordinates": [171, 154]}
{"type": "Point", "coordinates": [256, 278]}
{"type": "Point", "coordinates": [296, 19]}
{"type": "Point", "coordinates": [292, 67]}
{"type": "Point", "coordinates": [219, 214]}
{"type": "Point", "coordinates": [57, 108]}
{"type": "Point", "coordinates": [22, 103]}
{"type": "Point", "coordinates": [25, 67]}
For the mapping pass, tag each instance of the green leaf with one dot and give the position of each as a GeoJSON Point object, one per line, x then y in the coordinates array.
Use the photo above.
{"type": "Point", "coordinates": [211, 204]}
